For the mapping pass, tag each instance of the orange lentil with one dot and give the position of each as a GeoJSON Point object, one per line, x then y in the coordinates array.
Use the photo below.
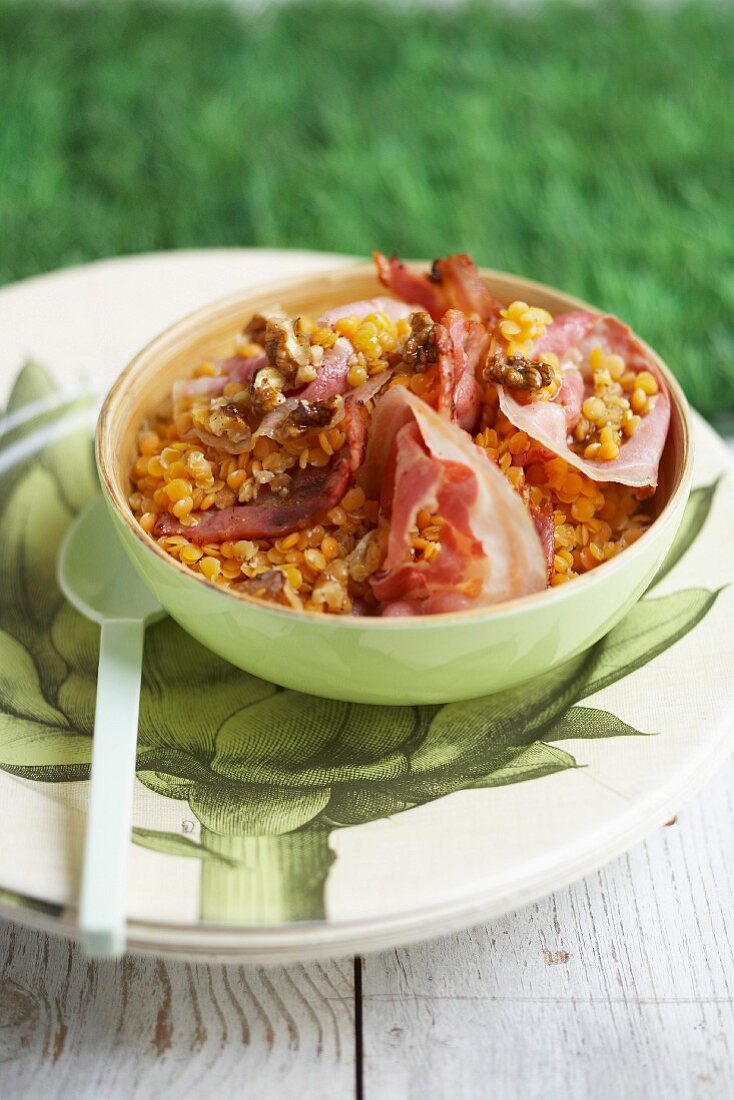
{"type": "Point", "coordinates": [190, 554]}
{"type": "Point", "coordinates": [210, 567]}
{"type": "Point", "coordinates": [315, 559]}
{"type": "Point", "coordinates": [148, 443]}
{"type": "Point", "coordinates": [293, 575]}
{"type": "Point", "coordinates": [330, 548]}
{"type": "Point", "coordinates": [582, 509]}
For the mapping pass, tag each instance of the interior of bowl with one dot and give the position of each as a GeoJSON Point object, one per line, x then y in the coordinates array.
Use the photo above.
{"type": "Point", "coordinates": [209, 333]}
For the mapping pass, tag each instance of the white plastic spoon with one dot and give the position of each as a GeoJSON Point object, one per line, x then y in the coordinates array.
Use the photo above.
{"type": "Point", "coordinates": [97, 578]}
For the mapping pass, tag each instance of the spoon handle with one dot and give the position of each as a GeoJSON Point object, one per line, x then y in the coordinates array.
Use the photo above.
{"type": "Point", "coordinates": [102, 906]}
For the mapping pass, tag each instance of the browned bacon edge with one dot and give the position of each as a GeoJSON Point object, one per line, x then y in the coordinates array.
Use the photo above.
{"type": "Point", "coordinates": [452, 283]}
{"type": "Point", "coordinates": [314, 492]}
{"type": "Point", "coordinates": [542, 516]}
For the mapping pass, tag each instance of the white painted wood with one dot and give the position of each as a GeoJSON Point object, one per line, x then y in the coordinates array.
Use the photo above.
{"type": "Point", "coordinates": [621, 986]}
{"type": "Point", "coordinates": [142, 1028]}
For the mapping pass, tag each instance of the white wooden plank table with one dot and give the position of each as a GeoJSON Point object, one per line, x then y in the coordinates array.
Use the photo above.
{"type": "Point", "coordinates": [620, 986]}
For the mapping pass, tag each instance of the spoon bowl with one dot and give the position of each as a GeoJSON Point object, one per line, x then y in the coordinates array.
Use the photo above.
{"type": "Point", "coordinates": [95, 573]}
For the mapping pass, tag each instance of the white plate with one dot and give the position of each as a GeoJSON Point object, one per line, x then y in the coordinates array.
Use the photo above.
{"type": "Point", "coordinates": [276, 872]}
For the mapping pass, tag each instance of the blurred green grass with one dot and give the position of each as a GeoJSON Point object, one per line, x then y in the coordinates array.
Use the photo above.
{"type": "Point", "coordinates": [590, 147]}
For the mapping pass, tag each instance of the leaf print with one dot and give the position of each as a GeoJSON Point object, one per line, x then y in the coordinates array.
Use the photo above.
{"type": "Point", "coordinates": [171, 772]}
{"type": "Point", "coordinates": [534, 762]}
{"type": "Point", "coordinates": [695, 516]}
{"type": "Point", "coordinates": [299, 740]}
{"type": "Point", "coordinates": [171, 844]}
{"type": "Point", "coordinates": [30, 748]}
{"type": "Point", "coordinates": [590, 722]}
{"type": "Point", "coordinates": [34, 399]}
{"type": "Point", "coordinates": [233, 809]}
{"type": "Point", "coordinates": [21, 901]}
{"type": "Point", "coordinates": [417, 789]}
{"type": "Point", "coordinates": [651, 627]}
{"type": "Point", "coordinates": [177, 673]}
{"type": "Point", "coordinates": [75, 476]}
{"type": "Point", "coordinates": [168, 783]}
{"type": "Point", "coordinates": [33, 523]}
{"type": "Point", "coordinates": [38, 426]}
{"type": "Point", "coordinates": [357, 805]}
{"type": "Point", "coordinates": [20, 688]}
{"type": "Point", "coordinates": [76, 640]}
{"type": "Point", "coordinates": [464, 733]}
{"type": "Point", "coordinates": [32, 385]}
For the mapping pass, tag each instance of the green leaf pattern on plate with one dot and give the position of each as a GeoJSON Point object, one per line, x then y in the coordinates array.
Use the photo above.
{"type": "Point", "coordinates": [268, 773]}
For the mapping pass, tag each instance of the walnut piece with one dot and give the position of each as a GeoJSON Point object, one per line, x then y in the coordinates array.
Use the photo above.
{"type": "Point", "coordinates": [225, 421]}
{"type": "Point", "coordinates": [266, 390]}
{"type": "Point", "coordinates": [517, 372]}
{"type": "Point", "coordinates": [287, 347]}
{"type": "Point", "coordinates": [420, 349]}
{"type": "Point", "coordinates": [266, 586]}
{"type": "Point", "coordinates": [255, 328]}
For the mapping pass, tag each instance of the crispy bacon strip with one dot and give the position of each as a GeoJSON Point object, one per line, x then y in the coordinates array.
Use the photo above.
{"type": "Point", "coordinates": [549, 422]}
{"type": "Point", "coordinates": [452, 283]}
{"type": "Point", "coordinates": [313, 493]}
{"type": "Point", "coordinates": [490, 549]}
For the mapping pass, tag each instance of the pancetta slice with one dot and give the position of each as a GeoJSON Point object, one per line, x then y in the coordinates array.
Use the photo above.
{"type": "Point", "coordinates": [332, 375]}
{"type": "Point", "coordinates": [562, 339]}
{"type": "Point", "coordinates": [242, 368]}
{"type": "Point", "coordinates": [452, 283]}
{"type": "Point", "coordinates": [490, 548]}
{"type": "Point", "coordinates": [332, 378]}
{"type": "Point", "coordinates": [462, 345]}
{"type": "Point", "coordinates": [191, 393]}
{"type": "Point", "coordinates": [313, 492]}
{"type": "Point", "coordinates": [394, 309]}
{"type": "Point", "coordinates": [542, 516]}
{"type": "Point", "coordinates": [331, 381]}
{"type": "Point", "coordinates": [572, 337]}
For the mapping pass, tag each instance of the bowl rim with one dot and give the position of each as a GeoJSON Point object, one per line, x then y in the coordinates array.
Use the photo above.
{"type": "Point", "coordinates": [117, 499]}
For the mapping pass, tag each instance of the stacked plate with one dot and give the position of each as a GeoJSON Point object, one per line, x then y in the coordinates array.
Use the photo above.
{"type": "Point", "coordinates": [339, 827]}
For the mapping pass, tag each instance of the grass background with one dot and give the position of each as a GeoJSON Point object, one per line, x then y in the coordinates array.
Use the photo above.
{"type": "Point", "coordinates": [590, 147]}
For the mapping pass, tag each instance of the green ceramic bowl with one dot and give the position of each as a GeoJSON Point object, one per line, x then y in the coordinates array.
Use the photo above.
{"type": "Point", "coordinates": [431, 659]}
